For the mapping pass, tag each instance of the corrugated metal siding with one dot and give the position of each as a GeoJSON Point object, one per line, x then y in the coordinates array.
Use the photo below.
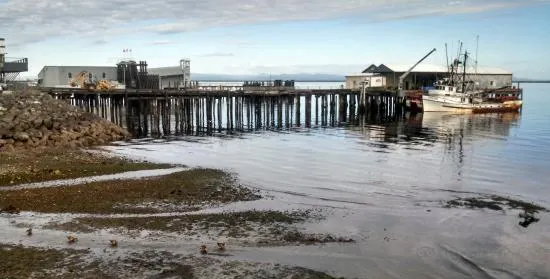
{"type": "Point", "coordinates": [166, 71]}
{"type": "Point", "coordinates": [52, 76]}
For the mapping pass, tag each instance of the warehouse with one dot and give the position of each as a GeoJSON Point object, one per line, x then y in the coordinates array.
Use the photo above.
{"type": "Point", "coordinates": [126, 74]}
{"type": "Point", "coordinates": [60, 76]}
{"type": "Point", "coordinates": [425, 75]}
{"type": "Point", "coordinates": [170, 77]}
{"type": "Point", "coordinates": [174, 77]}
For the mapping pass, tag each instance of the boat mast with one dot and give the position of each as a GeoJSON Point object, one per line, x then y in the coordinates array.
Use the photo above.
{"type": "Point", "coordinates": [447, 56]}
{"type": "Point", "coordinates": [477, 48]}
{"type": "Point", "coordinates": [456, 64]}
{"type": "Point", "coordinates": [464, 73]}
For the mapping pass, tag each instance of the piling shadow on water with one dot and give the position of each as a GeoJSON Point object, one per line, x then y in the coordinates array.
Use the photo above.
{"type": "Point", "coordinates": [499, 203]}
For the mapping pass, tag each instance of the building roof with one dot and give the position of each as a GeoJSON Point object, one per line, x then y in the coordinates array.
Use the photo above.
{"type": "Point", "coordinates": [83, 66]}
{"type": "Point", "coordinates": [369, 69]}
{"type": "Point", "coordinates": [362, 75]}
{"type": "Point", "coordinates": [74, 67]}
{"type": "Point", "coordinates": [431, 68]}
{"type": "Point", "coordinates": [166, 71]}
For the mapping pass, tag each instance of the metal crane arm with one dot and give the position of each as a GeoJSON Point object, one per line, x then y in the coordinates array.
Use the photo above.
{"type": "Point", "coordinates": [403, 76]}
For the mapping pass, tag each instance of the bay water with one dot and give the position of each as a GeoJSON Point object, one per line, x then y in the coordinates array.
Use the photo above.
{"type": "Point", "coordinates": [385, 185]}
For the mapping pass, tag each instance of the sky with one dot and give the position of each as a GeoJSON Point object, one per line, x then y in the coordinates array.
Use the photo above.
{"type": "Point", "coordinates": [278, 36]}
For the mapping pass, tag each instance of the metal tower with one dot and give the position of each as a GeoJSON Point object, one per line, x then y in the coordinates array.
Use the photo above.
{"type": "Point", "coordinates": [10, 67]}
{"type": "Point", "coordinates": [185, 65]}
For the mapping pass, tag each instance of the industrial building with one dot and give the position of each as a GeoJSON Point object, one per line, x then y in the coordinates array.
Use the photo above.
{"type": "Point", "coordinates": [424, 75]}
{"type": "Point", "coordinates": [61, 76]}
{"type": "Point", "coordinates": [174, 77]}
{"type": "Point", "coordinates": [10, 68]}
{"type": "Point", "coordinates": [126, 74]}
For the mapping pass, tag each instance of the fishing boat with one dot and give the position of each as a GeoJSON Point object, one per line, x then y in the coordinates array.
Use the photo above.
{"type": "Point", "coordinates": [458, 94]}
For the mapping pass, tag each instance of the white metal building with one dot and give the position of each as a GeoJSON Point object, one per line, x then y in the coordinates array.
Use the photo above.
{"type": "Point", "coordinates": [60, 76]}
{"type": "Point", "coordinates": [174, 77]}
{"type": "Point", "coordinates": [425, 75]}
{"type": "Point", "coordinates": [370, 79]}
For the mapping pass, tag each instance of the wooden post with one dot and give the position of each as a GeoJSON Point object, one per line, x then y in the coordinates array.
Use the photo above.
{"type": "Point", "coordinates": [298, 108]}
{"type": "Point", "coordinates": [316, 109]}
{"type": "Point", "coordinates": [308, 111]}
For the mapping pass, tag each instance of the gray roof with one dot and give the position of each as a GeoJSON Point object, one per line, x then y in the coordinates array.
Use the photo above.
{"type": "Point", "coordinates": [92, 67]}
{"type": "Point", "coordinates": [369, 69]}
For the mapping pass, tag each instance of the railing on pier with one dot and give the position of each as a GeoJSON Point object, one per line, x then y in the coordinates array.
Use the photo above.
{"type": "Point", "coordinates": [15, 65]}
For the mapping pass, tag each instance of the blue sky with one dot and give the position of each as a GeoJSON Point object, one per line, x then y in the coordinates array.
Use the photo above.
{"type": "Point", "coordinates": [287, 36]}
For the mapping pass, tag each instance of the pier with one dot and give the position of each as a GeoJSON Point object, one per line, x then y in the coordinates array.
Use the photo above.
{"type": "Point", "coordinates": [214, 109]}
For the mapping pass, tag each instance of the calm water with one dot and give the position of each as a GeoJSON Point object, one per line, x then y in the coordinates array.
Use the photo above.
{"type": "Point", "coordinates": [381, 180]}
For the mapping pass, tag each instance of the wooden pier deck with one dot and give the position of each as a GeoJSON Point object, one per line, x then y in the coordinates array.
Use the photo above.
{"type": "Point", "coordinates": [162, 112]}
{"type": "Point", "coordinates": [213, 90]}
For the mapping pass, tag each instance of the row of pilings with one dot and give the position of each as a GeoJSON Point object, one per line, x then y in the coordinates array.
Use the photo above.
{"type": "Point", "coordinates": [155, 116]}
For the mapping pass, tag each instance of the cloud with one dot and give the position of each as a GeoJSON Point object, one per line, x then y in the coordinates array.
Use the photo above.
{"type": "Point", "coordinates": [217, 54]}
{"type": "Point", "coordinates": [159, 43]}
{"type": "Point", "coordinates": [100, 42]}
{"type": "Point", "coordinates": [30, 21]}
{"type": "Point", "coordinates": [321, 69]}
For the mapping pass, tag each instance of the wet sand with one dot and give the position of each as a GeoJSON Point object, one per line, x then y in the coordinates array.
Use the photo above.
{"type": "Point", "coordinates": [46, 164]}
{"type": "Point", "coordinates": [160, 218]}
{"type": "Point", "coordinates": [154, 220]}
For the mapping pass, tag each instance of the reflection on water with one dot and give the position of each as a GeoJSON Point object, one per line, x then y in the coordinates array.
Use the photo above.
{"type": "Point", "coordinates": [386, 179]}
{"type": "Point", "coordinates": [220, 116]}
{"type": "Point", "coordinates": [444, 148]}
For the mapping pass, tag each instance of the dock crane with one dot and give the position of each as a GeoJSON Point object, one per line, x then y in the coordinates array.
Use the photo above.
{"type": "Point", "coordinates": [403, 76]}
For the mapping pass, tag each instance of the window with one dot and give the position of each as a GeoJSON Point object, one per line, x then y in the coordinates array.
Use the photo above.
{"type": "Point", "coordinates": [90, 75]}
{"type": "Point", "coordinates": [70, 75]}
{"type": "Point", "coordinates": [493, 83]}
{"type": "Point", "coordinates": [103, 75]}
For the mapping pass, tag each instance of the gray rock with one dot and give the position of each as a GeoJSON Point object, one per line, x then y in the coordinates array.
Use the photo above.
{"type": "Point", "coordinates": [21, 136]}
{"type": "Point", "coordinates": [37, 123]}
{"type": "Point", "coordinates": [48, 123]}
{"type": "Point", "coordinates": [32, 119]}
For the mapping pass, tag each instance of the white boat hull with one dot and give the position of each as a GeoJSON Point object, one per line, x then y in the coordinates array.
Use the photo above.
{"type": "Point", "coordinates": [441, 105]}
{"type": "Point", "coordinates": [437, 104]}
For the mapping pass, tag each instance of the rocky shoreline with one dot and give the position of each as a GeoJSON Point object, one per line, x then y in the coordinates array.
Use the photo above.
{"type": "Point", "coordinates": [31, 119]}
